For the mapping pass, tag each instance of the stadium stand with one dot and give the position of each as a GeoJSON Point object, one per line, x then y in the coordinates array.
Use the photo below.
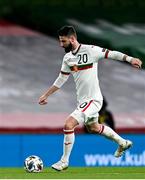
{"type": "Point", "coordinates": [30, 62]}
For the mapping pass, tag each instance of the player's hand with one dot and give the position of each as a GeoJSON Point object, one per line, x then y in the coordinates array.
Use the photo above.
{"type": "Point", "coordinates": [135, 62]}
{"type": "Point", "coordinates": [42, 100]}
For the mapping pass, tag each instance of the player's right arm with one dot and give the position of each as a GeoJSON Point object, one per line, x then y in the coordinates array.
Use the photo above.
{"type": "Point", "coordinates": [61, 79]}
{"type": "Point", "coordinates": [43, 98]}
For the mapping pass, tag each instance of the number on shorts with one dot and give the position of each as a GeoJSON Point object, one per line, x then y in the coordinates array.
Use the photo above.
{"type": "Point", "coordinates": [83, 104]}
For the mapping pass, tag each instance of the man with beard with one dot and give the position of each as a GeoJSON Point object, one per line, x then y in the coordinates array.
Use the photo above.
{"type": "Point", "coordinates": [81, 61]}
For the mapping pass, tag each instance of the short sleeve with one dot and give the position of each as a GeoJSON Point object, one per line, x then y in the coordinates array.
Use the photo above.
{"type": "Point", "coordinates": [99, 52]}
{"type": "Point", "coordinates": [65, 69]}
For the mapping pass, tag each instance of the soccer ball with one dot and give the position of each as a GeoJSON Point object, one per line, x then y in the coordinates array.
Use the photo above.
{"type": "Point", "coordinates": [33, 164]}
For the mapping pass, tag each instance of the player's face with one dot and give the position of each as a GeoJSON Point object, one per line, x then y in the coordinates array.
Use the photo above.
{"type": "Point", "coordinates": [65, 42]}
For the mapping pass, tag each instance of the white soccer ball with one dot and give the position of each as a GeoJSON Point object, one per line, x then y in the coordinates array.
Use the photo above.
{"type": "Point", "coordinates": [33, 164]}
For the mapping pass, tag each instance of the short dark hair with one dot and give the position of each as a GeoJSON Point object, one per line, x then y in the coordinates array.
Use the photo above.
{"type": "Point", "coordinates": [67, 31]}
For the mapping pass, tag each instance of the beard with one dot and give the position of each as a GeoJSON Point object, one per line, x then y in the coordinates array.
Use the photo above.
{"type": "Point", "coordinates": [68, 48]}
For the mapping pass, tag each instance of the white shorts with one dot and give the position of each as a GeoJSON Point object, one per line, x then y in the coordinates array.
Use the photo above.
{"type": "Point", "coordinates": [87, 112]}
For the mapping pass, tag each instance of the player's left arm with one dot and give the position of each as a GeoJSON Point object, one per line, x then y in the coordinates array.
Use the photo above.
{"type": "Point", "coordinates": [116, 55]}
{"type": "Point", "coordinates": [101, 53]}
{"type": "Point", "coordinates": [135, 62]}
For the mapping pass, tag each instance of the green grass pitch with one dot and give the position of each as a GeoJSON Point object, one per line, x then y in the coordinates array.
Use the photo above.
{"type": "Point", "coordinates": [76, 173]}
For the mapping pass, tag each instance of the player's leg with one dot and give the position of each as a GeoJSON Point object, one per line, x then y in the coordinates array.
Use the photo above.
{"type": "Point", "coordinates": [111, 134]}
{"type": "Point", "coordinates": [106, 131]}
{"type": "Point", "coordinates": [69, 138]}
{"type": "Point", "coordinates": [91, 121]}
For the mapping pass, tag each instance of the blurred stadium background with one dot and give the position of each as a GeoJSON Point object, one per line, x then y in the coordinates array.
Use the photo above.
{"type": "Point", "coordinates": [30, 59]}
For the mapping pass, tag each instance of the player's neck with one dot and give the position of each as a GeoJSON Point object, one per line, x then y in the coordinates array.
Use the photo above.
{"type": "Point", "coordinates": [75, 46]}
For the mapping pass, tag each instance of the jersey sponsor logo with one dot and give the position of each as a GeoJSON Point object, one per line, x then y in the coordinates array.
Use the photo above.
{"type": "Point", "coordinates": [75, 68]}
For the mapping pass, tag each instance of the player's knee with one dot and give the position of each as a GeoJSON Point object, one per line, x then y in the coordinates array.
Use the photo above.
{"type": "Point", "coordinates": [68, 126]}
{"type": "Point", "coordinates": [70, 123]}
{"type": "Point", "coordinates": [93, 128]}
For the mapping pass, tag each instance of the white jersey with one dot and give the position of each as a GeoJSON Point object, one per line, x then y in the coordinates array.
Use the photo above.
{"type": "Point", "coordinates": [83, 65]}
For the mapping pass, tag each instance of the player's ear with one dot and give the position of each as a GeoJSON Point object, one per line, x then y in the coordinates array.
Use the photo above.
{"type": "Point", "coordinates": [72, 39]}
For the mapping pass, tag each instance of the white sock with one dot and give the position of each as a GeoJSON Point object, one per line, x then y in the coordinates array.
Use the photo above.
{"type": "Point", "coordinates": [69, 138]}
{"type": "Point", "coordinates": [111, 134]}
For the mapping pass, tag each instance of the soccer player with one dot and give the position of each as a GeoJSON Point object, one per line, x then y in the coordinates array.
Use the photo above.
{"type": "Point", "coordinates": [81, 61]}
